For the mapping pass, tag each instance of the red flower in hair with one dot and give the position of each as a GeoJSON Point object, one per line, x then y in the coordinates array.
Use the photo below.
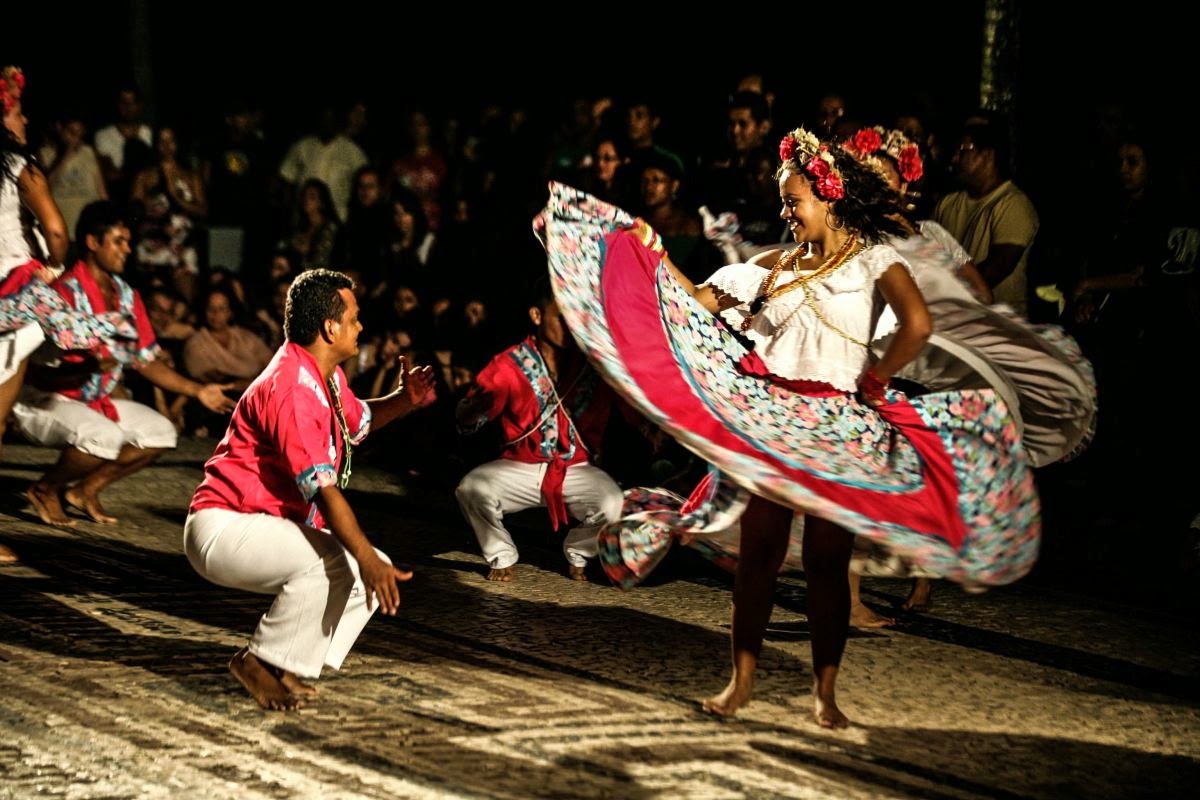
{"type": "Point", "coordinates": [787, 148]}
{"type": "Point", "coordinates": [817, 167]}
{"type": "Point", "coordinates": [866, 141]}
{"type": "Point", "coordinates": [12, 83]}
{"type": "Point", "coordinates": [911, 167]}
{"type": "Point", "coordinates": [830, 187]}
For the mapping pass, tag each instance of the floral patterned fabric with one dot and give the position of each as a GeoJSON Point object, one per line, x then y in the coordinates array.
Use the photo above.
{"type": "Point", "coordinates": [941, 480]}
{"type": "Point", "coordinates": [32, 301]}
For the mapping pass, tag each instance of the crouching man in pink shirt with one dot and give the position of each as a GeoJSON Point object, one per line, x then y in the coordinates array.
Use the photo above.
{"type": "Point", "coordinates": [270, 515]}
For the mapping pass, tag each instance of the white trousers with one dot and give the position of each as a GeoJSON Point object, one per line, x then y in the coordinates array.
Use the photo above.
{"type": "Point", "coordinates": [52, 420]}
{"type": "Point", "coordinates": [490, 491]}
{"type": "Point", "coordinates": [16, 346]}
{"type": "Point", "coordinates": [320, 603]}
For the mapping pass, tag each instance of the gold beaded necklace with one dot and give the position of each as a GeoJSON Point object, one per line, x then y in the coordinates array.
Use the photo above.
{"type": "Point", "coordinates": [768, 290]}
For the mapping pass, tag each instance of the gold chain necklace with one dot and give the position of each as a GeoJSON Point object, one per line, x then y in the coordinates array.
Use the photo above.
{"type": "Point", "coordinates": [768, 290]}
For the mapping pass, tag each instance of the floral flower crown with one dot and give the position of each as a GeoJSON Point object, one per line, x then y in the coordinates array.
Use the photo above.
{"type": "Point", "coordinates": [869, 141]}
{"type": "Point", "coordinates": [12, 83]}
{"type": "Point", "coordinates": [816, 160]}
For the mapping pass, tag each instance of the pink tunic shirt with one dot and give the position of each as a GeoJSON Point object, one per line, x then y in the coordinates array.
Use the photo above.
{"type": "Point", "coordinates": [283, 442]}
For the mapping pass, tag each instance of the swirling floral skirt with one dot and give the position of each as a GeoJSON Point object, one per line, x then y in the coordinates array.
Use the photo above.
{"type": "Point", "coordinates": [940, 481]}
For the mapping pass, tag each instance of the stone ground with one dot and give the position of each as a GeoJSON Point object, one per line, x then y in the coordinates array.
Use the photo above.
{"type": "Point", "coordinates": [112, 674]}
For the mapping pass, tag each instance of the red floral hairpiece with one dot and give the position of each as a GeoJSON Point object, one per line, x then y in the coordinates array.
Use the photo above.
{"type": "Point", "coordinates": [815, 160]}
{"type": "Point", "coordinates": [869, 141]}
{"type": "Point", "coordinates": [12, 83]}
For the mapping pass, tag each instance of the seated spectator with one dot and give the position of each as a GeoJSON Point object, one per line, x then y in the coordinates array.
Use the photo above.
{"type": "Point", "coordinates": [74, 170]}
{"type": "Point", "coordinates": [172, 197]}
{"type": "Point", "coordinates": [221, 350]}
{"type": "Point", "coordinates": [314, 226]}
{"type": "Point", "coordinates": [600, 177]}
{"type": "Point", "coordinates": [990, 217]}
{"type": "Point", "coordinates": [363, 240]}
{"type": "Point", "coordinates": [682, 232]}
{"type": "Point", "coordinates": [422, 170]}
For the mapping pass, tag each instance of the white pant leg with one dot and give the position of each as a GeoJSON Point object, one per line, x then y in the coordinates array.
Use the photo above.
{"type": "Point", "coordinates": [144, 427]}
{"type": "Point", "coordinates": [16, 346]}
{"type": "Point", "coordinates": [593, 498]}
{"type": "Point", "coordinates": [320, 602]}
{"type": "Point", "coordinates": [489, 492]}
{"type": "Point", "coordinates": [51, 420]}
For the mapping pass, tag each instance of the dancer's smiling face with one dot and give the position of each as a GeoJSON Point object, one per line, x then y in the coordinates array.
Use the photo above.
{"type": "Point", "coordinates": [801, 209]}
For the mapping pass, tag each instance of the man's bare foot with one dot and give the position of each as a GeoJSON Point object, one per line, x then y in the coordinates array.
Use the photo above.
{"type": "Point", "coordinates": [7, 556]}
{"type": "Point", "coordinates": [576, 573]}
{"type": "Point", "coordinates": [502, 575]}
{"type": "Point", "coordinates": [731, 698]}
{"type": "Point", "coordinates": [825, 709]}
{"type": "Point", "coordinates": [921, 597]}
{"type": "Point", "coordinates": [296, 686]}
{"type": "Point", "coordinates": [45, 503]}
{"type": "Point", "coordinates": [863, 617]}
{"type": "Point", "coordinates": [261, 683]}
{"type": "Point", "coordinates": [88, 504]}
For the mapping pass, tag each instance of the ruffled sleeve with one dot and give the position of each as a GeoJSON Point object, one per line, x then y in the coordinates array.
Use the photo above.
{"type": "Point", "coordinates": [878, 259]}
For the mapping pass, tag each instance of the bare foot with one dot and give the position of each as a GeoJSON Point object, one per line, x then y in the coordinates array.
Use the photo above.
{"type": "Point", "coordinates": [502, 575]}
{"type": "Point", "coordinates": [576, 573]}
{"type": "Point", "coordinates": [296, 686]}
{"type": "Point", "coordinates": [825, 709]}
{"type": "Point", "coordinates": [45, 503]}
{"type": "Point", "coordinates": [7, 556]}
{"type": "Point", "coordinates": [88, 504]}
{"type": "Point", "coordinates": [921, 597]}
{"type": "Point", "coordinates": [731, 698]}
{"type": "Point", "coordinates": [261, 683]}
{"type": "Point", "coordinates": [863, 617]}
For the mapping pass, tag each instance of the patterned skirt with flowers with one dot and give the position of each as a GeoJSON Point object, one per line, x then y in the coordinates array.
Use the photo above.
{"type": "Point", "coordinates": [940, 482]}
{"type": "Point", "coordinates": [26, 300]}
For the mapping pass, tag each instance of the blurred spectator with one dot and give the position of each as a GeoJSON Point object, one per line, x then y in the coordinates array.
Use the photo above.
{"type": "Point", "coordinates": [222, 351]}
{"type": "Point", "coordinates": [422, 169]}
{"type": "Point", "coordinates": [315, 226]}
{"type": "Point", "coordinates": [409, 248]}
{"type": "Point", "coordinates": [831, 109]}
{"type": "Point", "coordinates": [600, 179]}
{"type": "Point", "coordinates": [174, 202]}
{"type": "Point", "coordinates": [682, 232]}
{"type": "Point", "coordinates": [991, 218]}
{"type": "Point", "coordinates": [124, 146]}
{"type": "Point", "coordinates": [363, 240]}
{"type": "Point", "coordinates": [74, 170]}
{"type": "Point", "coordinates": [329, 156]}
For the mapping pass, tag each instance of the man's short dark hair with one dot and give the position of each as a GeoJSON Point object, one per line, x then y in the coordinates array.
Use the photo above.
{"type": "Point", "coordinates": [755, 102]}
{"type": "Point", "coordinates": [97, 219]}
{"type": "Point", "coordinates": [312, 299]}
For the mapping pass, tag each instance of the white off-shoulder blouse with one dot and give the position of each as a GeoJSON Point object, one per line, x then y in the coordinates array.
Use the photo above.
{"type": "Point", "coordinates": [798, 342]}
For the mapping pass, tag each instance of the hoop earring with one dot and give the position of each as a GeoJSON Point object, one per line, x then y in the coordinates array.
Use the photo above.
{"type": "Point", "coordinates": [841, 223]}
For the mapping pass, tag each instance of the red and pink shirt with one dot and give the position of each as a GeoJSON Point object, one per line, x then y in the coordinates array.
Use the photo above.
{"type": "Point", "coordinates": [284, 442]}
{"type": "Point", "coordinates": [537, 428]}
{"type": "Point", "coordinates": [83, 294]}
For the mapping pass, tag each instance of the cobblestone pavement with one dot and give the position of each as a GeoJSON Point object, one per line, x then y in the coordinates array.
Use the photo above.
{"type": "Point", "coordinates": [113, 652]}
